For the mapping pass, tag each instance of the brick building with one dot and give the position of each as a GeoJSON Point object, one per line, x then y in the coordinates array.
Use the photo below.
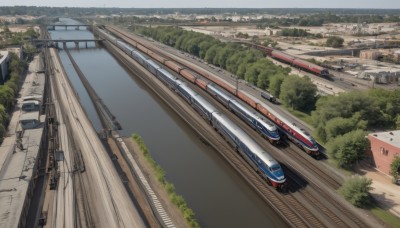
{"type": "Point", "coordinates": [384, 147]}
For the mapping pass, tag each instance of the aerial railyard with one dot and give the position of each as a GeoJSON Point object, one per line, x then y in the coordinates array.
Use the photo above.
{"type": "Point", "coordinates": [265, 111]}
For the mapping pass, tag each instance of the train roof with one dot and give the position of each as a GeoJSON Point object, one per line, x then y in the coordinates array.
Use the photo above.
{"type": "Point", "coordinates": [189, 90]}
{"type": "Point", "coordinates": [166, 73]}
{"type": "Point", "coordinates": [219, 91]}
{"type": "Point", "coordinates": [205, 104]}
{"type": "Point", "coordinates": [246, 139]}
{"type": "Point", "coordinates": [139, 54]}
{"type": "Point", "coordinates": [151, 62]}
{"type": "Point", "coordinates": [309, 64]}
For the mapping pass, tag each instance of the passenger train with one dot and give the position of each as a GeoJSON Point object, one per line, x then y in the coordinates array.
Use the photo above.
{"type": "Point", "coordinates": [258, 158]}
{"type": "Point", "coordinates": [286, 128]}
{"type": "Point", "coordinates": [267, 129]}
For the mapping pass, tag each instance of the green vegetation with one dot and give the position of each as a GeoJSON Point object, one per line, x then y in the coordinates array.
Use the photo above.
{"type": "Point", "coordinates": [395, 169]}
{"type": "Point", "coordinates": [298, 93]}
{"type": "Point", "coordinates": [354, 112]}
{"type": "Point", "coordinates": [178, 200]}
{"type": "Point", "coordinates": [356, 191]}
{"type": "Point", "coordinates": [247, 64]}
{"type": "Point", "coordinates": [19, 38]}
{"type": "Point", "coordinates": [295, 32]}
{"type": "Point", "coordinates": [334, 41]}
{"type": "Point", "coordinates": [9, 91]}
{"type": "Point", "coordinates": [387, 217]}
{"type": "Point", "coordinates": [349, 148]}
{"type": "Point", "coordinates": [270, 43]}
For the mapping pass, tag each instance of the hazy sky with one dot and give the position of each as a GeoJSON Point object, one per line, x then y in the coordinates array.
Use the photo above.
{"type": "Point", "coordinates": [388, 4]}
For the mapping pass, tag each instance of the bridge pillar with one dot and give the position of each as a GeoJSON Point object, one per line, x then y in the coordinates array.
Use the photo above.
{"type": "Point", "coordinates": [66, 27]}
{"type": "Point", "coordinates": [65, 45]}
{"type": "Point", "coordinates": [54, 27]}
{"type": "Point", "coordinates": [76, 44]}
{"type": "Point", "coordinates": [57, 45]}
{"type": "Point", "coordinates": [86, 44]}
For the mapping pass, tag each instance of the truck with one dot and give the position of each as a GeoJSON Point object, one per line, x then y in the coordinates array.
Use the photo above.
{"type": "Point", "coordinates": [268, 96]}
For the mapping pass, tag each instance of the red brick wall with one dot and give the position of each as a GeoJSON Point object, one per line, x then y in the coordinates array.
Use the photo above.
{"type": "Point", "coordinates": [383, 154]}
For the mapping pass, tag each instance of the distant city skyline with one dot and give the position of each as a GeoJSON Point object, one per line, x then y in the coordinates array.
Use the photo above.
{"type": "Point", "coordinates": [383, 4]}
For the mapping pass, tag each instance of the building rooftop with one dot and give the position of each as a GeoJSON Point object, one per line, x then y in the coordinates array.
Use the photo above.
{"type": "Point", "coordinates": [3, 56]}
{"type": "Point", "coordinates": [389, 137]}
{"type": "Point", "coordinates": [15, 177]}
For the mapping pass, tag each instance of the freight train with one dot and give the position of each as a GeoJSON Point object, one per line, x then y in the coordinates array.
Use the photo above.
{"type": "Point", "coordinates": [287, 128]}
{"type": "Point", "coordinates": [257, 157]}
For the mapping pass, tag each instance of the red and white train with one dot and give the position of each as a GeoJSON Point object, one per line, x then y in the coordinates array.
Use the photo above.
{"type": "Point", "coordinates": [289, 129]}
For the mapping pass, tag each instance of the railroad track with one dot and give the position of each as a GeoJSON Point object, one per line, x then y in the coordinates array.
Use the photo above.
{"type": "Point", "coordinates": [288, 205]}
{"type": "Point", "coordinates": [237, 162]}
{"type": "Point", "coordinates": [332, 214]}
{"type": "Point", "coordinates": [82, 206]}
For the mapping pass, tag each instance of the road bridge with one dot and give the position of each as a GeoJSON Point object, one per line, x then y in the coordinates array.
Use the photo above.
{"type": "Point", "coordinates": [54, 42]}
{"type": "Point", "coordinates": [77, 27]}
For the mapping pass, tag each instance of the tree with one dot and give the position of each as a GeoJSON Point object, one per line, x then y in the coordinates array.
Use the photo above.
{"type": "Point", "coordinates": [275, 83]}
{"type": "Point", "coordinates": [299, 93]}
{"type": "Point", "coordinates": [349, 148]}
{"type": "Point", "coordinates": [395, 169]}
{"type": "Point", "coordinates": [334, 41]}
{"type": "Point", "coordinates": [356, 191]}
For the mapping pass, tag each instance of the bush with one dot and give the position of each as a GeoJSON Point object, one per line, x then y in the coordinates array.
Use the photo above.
{"type": "Point", "coordinates": [356, 191]}
{"type": "Point", "coordinates": [334, 41]}
{"type": "Point", "coordinates": [349, 148]}
{"type": "Point", "coordinates": [395, 169]}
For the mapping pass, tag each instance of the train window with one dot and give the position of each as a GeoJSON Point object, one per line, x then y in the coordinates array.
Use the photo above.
{"type": "Point", "coordinates": [274, 168]}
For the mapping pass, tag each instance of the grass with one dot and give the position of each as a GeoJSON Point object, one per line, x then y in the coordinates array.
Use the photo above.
{"type": "Point", "coordinates": [386, 216]}
{"type": "Point", "coordinates": [175, 198]}
{"type": "Point", "coordinates": [301, 115]}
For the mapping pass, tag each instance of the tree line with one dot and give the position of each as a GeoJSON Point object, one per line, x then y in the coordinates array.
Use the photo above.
{"type": "Point", "coordinates": [247, 64]}
{"type": "Point", "coordinates": [9, 90]}
{"type": "Point", "coordinates": [318, 19]}
{"type": "Point", "coordinates": [343, 121]}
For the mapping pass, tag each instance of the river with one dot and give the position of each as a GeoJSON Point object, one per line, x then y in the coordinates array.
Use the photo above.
{"type": "Point", "coordinates": [216, 193]}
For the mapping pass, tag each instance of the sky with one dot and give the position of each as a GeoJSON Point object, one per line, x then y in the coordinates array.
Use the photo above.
{"type": "Point", "coordinates": [387, 4]}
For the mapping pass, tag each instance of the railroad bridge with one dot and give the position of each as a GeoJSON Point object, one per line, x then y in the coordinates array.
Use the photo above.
{"type": "Point", "coordinates": [77, 27]}
{"type": "Point", "coordinates": [49, 42]}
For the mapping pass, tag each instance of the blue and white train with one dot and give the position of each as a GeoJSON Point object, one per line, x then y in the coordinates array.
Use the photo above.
{"type": "Point", "coordinates": [267, 129]}
{"type": "Point", "coordinates": [258, 158]}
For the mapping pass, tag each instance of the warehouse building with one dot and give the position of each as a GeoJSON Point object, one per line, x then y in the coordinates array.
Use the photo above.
{"type": "Point", "coordinates": [385, 146]}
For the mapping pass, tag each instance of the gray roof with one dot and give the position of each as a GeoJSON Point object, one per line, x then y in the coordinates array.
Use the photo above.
{"type": "Point", "coordinates": [15, 177]}
{"type": "Point", "coordinates": [389, 137]}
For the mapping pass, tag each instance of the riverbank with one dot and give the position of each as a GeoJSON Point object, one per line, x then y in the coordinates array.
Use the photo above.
{"type": "Point", "coordinates": [174, 212]}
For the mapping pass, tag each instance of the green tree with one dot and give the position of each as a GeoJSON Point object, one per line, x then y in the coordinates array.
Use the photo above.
{"type": "Point", "coordinates": [299, 93]}
{"type": "Point", "coordinates": [334, 41]}
{"type": "Point", "coordinates": [349, 148]}
{"type": "Point", "coordinates": [395, 169]}
{"type": "Point", "coordinates": [356, 191]}
{"type": "Point", "coordinates": [275, 83]}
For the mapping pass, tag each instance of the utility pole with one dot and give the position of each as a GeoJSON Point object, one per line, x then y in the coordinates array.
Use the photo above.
{"type": "Point", "coordinates": [237, 85]}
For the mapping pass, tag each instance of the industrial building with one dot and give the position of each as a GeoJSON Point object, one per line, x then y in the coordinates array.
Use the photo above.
{"type": "Point", "coordinates": [385, 146]}
{"type": "Point", "coordinates": [4, 59]}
